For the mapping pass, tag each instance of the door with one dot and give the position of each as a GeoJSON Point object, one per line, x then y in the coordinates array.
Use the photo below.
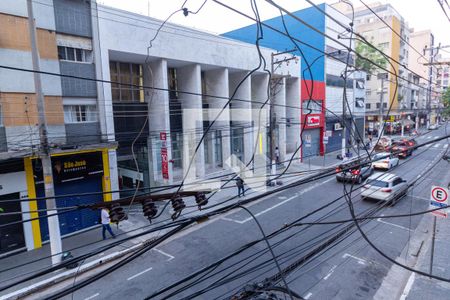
{"type": "Point", "coordinates": [314, 149]}
{"type": "Point", "coordinates": [11, 236]}
{"type": "Point", "coordinates": [78, 219]}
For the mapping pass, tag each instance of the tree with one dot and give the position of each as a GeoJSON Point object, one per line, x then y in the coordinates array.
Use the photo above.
{"type": "Point", "coordinates": [372, 58]}
{"type": "Point", "coordinates": [446, 102]}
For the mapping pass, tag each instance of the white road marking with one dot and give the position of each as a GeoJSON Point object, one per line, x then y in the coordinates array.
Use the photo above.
{"type": "Point", "coordinates": [445, 146]}
{"type": "Point", "coordinates": [427, 146]}
{"type": "Point", "coordinates": [278, 204]}
{"type": "Point", "coordinates": [92, 297]}
{"type": "Point", "coordinates": [282, 197]}
{"type": "Point", "coordinates": [165, 254]}
{"type": "Point", "coordinates": [437, 146]}
{"type": "Point", "coordinates": [308, 296]}
{"type": "Point", "coordinates": [428, 137]}
{"type": "Point", "coordinates": [359, 260]}
{"type": "Point", "coordinates": [395, 225]}
{"type": "Point", "coordinates": [329, 273]}
{"type": "Point", "coordinates": [408, 286]}
{"type": "Point", "coordinates": [139, 274]}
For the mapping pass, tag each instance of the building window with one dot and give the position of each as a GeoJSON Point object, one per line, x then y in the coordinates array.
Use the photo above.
{"type": "Point", "coordinates": [384, 105]}
{"type": "Point", "coordinates": [378, 105]}
{"type": "Point", "coordinates": [360, 84]}
{"type": "Point", "coordinates": [383, 45]}
{"type": "Point", "coordinates": [368, 76]}
{"type": "Point", "coordinates": [73, 54]}
{"type": "Point", "coordinates": [173, 83]}
{"type": "Point", "coordinates": [80, 113]}
{"type": "Point", "coordinates": [368, 92]}
{"type": "Point", "coordinates": [314, 105]}
{"type": "Point", "coordinates": [367, 105]}
{"type": "Point", "coordinates": [127, 81]}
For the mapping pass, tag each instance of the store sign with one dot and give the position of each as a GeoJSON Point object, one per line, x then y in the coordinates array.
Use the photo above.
{"type": "Point", "coordinates": [164, 156]}
{"type": "Point", "coordinates": [313, 121]}
{"type": "Point", "coordinates": [79, 166]}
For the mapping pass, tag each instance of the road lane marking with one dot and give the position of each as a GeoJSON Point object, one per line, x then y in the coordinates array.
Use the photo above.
{"type": "Point", "coordinates": [445, 146]}
{"type": "Point", "coordinates": [278, 204]}
{"type": "Point", "coordinates": [139, 274]}
{"type": "Point", "coordinates": [395, 225]}
{"type": "Point", "coordinates": [437, 146]}
{"type": "Point", "coordinates": [165, 254]}
{"type": "Point", "coordinates": [92, 297]}
{"type": "Point", "coordinates": [308, 296]}
{"type": "Point", "coordinates": [408, 286]}
{"type": "Point", "coordinates": [359, 260]}
{"type": "Point", "coordinates": [428, 137]}
{"type": "Point", "coordinates": [331, 272]}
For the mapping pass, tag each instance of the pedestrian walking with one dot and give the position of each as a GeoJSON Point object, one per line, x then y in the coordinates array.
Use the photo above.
{"type": "Point", "coordinates": [240, 186]}
{"type": "Point", "coordinates": [277, 155]}
{"type": "Point", "coordinates": [104, 214]}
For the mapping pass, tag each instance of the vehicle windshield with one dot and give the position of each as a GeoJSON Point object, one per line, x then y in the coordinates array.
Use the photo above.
{"type": "Point", "coordinates": [380, 156]}
{"type": "Point", "coordinates": [378, 183]}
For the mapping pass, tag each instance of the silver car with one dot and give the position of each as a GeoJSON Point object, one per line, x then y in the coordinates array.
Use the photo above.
{"type": "Point", "coordinates": [384, 160]}
{"type": "Point", "coordinates": [386, 187]}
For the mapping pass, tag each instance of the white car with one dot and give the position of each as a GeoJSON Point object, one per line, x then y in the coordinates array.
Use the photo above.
{"type": "Point", "coordinates": [384, 160]}
{"type": "Point", "coordinates": [386, 187]}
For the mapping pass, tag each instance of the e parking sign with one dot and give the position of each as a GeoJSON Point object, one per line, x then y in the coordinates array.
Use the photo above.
{"type": "Point", "coordinates": [439, 198]}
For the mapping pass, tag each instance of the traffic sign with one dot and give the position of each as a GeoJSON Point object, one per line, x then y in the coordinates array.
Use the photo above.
{"type": "Point", "coordinates": [439, 198]}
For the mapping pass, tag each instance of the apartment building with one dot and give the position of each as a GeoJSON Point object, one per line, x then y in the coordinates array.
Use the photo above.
{"type": "Point", "coordinates": [327, 57]}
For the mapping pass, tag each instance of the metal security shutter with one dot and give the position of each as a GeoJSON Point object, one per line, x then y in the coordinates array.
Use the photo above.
{"type": "Point", "coordinates": [315, 143]}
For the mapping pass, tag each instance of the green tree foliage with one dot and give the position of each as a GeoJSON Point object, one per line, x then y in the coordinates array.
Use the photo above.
{"type": "Point", "coordinates": [373, 58]}
{"type": "Point", "coordinates": [446, 101]}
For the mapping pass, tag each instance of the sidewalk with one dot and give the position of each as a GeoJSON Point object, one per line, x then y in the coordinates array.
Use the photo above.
{"type": "Point", "coordinates": [136, 223]}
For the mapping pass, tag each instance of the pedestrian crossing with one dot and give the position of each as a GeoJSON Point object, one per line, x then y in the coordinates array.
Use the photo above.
{"type": "Point", "coordinates": [437, 146]}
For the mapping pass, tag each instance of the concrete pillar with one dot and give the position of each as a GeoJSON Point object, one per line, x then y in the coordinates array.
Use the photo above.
{"type": "Point", "coordinates": [260, 94]}
{"type": "Point", "coordinates": [280, 117]}
{"type": "Point", "coordinates": [216, 82]}
{"type": "Point", "coordinates": [155, 74]}
{"type": "Point", "coordinates": [240, 113]}
{"type": "Point", "coordinates": [189, 80]}
{"type": "Point", "coordinates": [293, 114]}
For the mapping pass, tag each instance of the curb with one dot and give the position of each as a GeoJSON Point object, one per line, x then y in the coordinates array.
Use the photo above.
{"type": "Point", "coordinates": [68, 274]}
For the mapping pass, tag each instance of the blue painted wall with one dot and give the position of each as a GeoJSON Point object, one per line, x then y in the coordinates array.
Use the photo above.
{"type": "Point", "coordinates": [280, 42]}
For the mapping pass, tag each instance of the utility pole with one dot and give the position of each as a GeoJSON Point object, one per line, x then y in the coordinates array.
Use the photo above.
{"type": "Point", "coordinates": [273, 85]}
{"type": "Point", "coordinates": [381, 76]}
{"type": "Point", "coordinates": [53, 221]}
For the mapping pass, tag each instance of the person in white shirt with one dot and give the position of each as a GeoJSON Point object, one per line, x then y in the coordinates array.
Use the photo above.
{"type": "Point", "coordinates": [104, 214]}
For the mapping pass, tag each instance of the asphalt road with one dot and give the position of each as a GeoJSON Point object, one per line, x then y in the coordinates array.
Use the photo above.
{"type": "Point", "coordinates": [350, 269]}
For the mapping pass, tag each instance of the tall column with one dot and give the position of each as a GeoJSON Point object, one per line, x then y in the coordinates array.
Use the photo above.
{"type": "Point", "coordinates": [216, 82]}
{"type": "Point", "coordinates": [189, 80]}
{"type": "Point", "coordinates": [260, 94]}
{"type": "Point", "coordinates": [155, 74]}
{"type": "Point", "coordinates": [240, 113]}
{"type": "Point", "coordinates": [293, 115]}
{"type": "Point", "coordinates": [280, 114]}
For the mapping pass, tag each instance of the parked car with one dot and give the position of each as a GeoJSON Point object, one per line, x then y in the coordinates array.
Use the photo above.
{"type": "Point", "coordinates": [402, 149]}
{"type": "Point", "coordinates": [356, 174]}
{"type": "Point", "coordinates": [433, 127]}
{"type": "Point", "coordinates": [384, 160]}
{"type": "Point", "coordinates": [386, 187]}
{"type": "Point", "coordinates": [410, 142]}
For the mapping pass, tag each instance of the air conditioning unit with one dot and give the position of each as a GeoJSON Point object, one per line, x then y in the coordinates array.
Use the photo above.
{"type": "Point", "coordinates": [337, 126]}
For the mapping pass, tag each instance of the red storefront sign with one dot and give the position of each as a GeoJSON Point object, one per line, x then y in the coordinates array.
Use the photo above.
{"type": "Point", "coordinates": [313, 120]}
{"type": "Point", "coordinates": [164, 156]}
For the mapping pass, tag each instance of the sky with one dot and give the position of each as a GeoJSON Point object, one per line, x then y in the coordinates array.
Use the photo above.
{"type": "Point", "coordinates": [214, 18]}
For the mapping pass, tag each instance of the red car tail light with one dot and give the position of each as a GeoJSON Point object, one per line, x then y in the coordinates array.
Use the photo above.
{"type": "Point", "coordinates": [338, 170]}
{"type": "Point", "coordinates": [355, 172]}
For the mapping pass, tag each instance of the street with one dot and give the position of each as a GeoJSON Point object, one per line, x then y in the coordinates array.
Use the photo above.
{"type": "Point", "coordinates": [349, 269]}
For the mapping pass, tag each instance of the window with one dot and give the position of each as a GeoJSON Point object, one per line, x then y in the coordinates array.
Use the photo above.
{"type": "Point", "coordinates": [314, 105]}
{"type": "Point", "coordinates": [383, 45]}
{"type": "Point", "coordinates": [378, 105]}
{"type": "Point", "coordinates": [397, 181]}
{"type": "Point", "coordinates": [368, 76]}
{"type": "Point", "coordinates": [359, 103]}
{"type": "Point", "coordinates": [80, 113]}
{"type": "Point", "coordinates": [127, 81]}
{"type": "Point", "coordinates": [172, 83]}
{"type": "Point", "coordinates": [368, 92]}
{"type": "Point", "coordinates": [360, 84]}
{"type": "Point", "coordinates": [367, 105]}
{"type": "Point", "coordinates": [384, 105]}
{"type": "Point", "coordinates": [73, 54]}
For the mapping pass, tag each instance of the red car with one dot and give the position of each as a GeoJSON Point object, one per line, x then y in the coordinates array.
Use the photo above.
{"type": "Point", "coordinates": [410, 142]}
{"type": "Point", "coordinates": [402, 149]}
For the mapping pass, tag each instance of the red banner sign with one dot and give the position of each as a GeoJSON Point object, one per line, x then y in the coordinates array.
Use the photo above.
{"type": "Point", "coordinates": [164, 156]}
{"type": "Point", "coordinates": [313, 121]}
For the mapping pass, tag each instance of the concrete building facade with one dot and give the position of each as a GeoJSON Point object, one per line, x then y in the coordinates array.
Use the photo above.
{"type": "Point", "coordinates": [323, 87]}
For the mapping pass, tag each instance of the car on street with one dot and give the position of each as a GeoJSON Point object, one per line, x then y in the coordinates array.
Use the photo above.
{"type": "Point", "coordinates": [384, 161]}
{"type": "Point", "coordinates": [410, 142]}
{"type": "Point", "coordinates": [385, 187]}
{"type": "Point", "coordinates": [355, 174]}
{"type": "Point", "coordinates": [433, 127]}
{"type": "Point", "coordinates": [402, 149]}
{"type": "Point", "coordinates": [383, 144]}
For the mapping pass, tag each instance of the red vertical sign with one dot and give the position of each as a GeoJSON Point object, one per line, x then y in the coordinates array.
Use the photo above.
{"type": "Point", "coordinates": [164, 156]}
